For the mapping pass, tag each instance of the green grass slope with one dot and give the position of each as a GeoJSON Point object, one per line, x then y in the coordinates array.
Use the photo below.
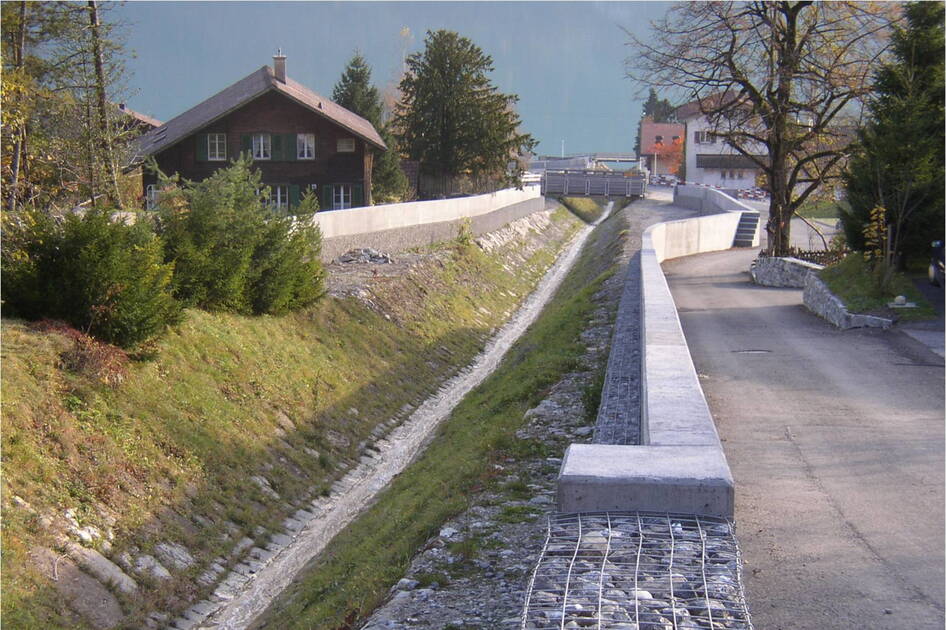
{"type": "Point", "coordinates": [357, 571]}
{"type": "Point", "coordinates": [167, 454]}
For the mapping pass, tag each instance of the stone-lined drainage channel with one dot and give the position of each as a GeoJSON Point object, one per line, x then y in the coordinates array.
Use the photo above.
{"type": "Point", "coordinates": [253, 585]}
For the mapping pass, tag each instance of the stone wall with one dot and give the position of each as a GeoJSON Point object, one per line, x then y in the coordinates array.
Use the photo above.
{"type": "Point", "coordinates": [771, 271]}
{"type": "Point", "coordinates": [825, 304]}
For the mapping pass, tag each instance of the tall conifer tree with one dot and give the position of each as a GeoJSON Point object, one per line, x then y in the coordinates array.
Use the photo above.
{"type": "Point", "coordinates": [355, 92]}
{"type": "Point", "coordinates": [899, 162]}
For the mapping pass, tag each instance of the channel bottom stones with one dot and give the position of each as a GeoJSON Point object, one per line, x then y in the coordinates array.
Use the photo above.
{"type": "Point", "coordinates": [637, 571]}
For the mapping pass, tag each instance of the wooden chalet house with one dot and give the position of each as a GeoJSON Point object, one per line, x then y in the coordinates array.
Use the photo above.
{"type": "Point", "coordinates": [298, 139]}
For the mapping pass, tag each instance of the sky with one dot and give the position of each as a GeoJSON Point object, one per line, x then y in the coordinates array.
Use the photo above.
{"type": "Point", "coordinates": [565, 60]}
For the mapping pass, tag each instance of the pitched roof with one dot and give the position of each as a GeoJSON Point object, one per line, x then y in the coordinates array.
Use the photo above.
{"type": "Point", "coordinates": [709, 102]}
{"type": "Point", "coordinates": [242, 92]}
{"type": "Point", "coordinates": [142, 118]}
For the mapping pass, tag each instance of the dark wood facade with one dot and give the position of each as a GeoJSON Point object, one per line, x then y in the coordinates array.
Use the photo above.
{"type": "Point", "coordinates": [282, 118]}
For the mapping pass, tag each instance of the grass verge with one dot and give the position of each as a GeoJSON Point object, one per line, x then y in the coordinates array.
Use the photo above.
{"type": "Point", "coordinates": [356, 572]}
{"type": "Point", "coordinates": [821, 209]}
{"type": "Point", "coordinates": [168, 454]}
{"type": "Point", "coordinates": [859, 288]}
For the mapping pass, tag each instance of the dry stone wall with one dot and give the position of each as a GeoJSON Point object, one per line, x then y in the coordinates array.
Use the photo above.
{"type": "Point", "coordinates": [771, 271]}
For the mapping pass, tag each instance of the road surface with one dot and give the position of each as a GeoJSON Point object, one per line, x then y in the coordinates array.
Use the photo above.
{"type": "Point", "coordinates": [836, 443]}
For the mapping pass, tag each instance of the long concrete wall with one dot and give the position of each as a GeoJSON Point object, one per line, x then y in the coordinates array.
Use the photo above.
{"type": "Point", "coordinates": [398, 215]}
{"type": "Point", "coordinates": [707, 200]}
{"type": "Point", "coordinates": [396, 227]}
{"type": "Point", "coordinates": [680, 465]}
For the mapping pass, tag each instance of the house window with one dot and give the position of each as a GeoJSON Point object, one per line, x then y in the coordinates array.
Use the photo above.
{"type": "Point", "coordinates": [704, 137]}
{"type": "Point", "coordinates": [345, 145]}
{"type": "Point", "coordinates": [305, 146]}
{"type": "Point", "coordinates": [342, 197]}
{"type": "Point", "coordinates": [262, 146]}
{"type": "Point", "coordinates": [279, 197]}
{"type": "Point", "coordinates": [151, 196]}
{"type": "Point", "coordinates": [216, 146]}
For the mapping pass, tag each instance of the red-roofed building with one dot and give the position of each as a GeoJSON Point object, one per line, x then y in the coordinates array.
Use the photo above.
{"type": "Point", "coordinates": [661, 146]}
{"type": "Point", "coordinates": [298, 139]}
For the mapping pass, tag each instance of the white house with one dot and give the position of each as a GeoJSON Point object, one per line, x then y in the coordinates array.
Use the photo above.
{"type": "Point", "coordinates": [709, 160]}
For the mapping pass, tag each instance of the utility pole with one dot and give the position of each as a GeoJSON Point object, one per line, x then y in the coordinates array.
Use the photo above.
{"type": "Point", "coordinates": [563, 147]}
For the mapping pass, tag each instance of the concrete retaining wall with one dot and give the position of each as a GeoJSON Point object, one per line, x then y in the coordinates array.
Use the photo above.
{"type": "Point", "coordinates": [772, 271]}
{"type": "Point", "coordinates": [680, 466]}
{"type": "Point", "coordinates": [399, 226]}
{"type": "Point", "coordinates": [401, 238]}
{"type": "Point", "coordinates": [707, 200]}
{"type": "Point", "coordinates": [825, 304]}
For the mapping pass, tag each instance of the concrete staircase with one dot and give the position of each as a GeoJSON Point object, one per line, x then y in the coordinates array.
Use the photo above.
{"type": "Point", "coordinates": [746, 230]}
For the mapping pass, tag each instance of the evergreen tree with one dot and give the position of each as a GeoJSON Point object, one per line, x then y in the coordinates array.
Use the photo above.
{"type": "Point", "coordinates": [899, 162]}
{"type": "Point", "coordinates": [658, 110]}
{"type": "Point", "coordinates": [355, 92]}
{"type": "Point", "coordinates": [454, 120]}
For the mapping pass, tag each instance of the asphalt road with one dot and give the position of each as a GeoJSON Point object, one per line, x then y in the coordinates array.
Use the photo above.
{"type": "Point", "coordinates": [836, 443]}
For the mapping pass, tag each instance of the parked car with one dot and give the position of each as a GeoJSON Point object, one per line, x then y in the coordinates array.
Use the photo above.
{"type": "Point", "coordinates": [936, 264]}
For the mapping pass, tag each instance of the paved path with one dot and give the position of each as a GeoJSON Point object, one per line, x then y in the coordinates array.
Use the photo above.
{"type": "Point", "coordinates": [836, 443]}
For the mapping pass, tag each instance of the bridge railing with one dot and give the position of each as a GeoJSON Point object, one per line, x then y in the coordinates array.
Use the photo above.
{"type": "Point", "coordinates": [593, 183]}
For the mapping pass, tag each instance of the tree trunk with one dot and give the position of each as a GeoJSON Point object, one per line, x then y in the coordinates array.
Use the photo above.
{"type": "Point", "coordinates": [105, 139]}
{"type": "Point", "coordinates": [19, 145]}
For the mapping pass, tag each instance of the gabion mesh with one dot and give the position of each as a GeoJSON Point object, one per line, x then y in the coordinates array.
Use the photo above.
{"type": "Point", "coordinates": [637, 571]}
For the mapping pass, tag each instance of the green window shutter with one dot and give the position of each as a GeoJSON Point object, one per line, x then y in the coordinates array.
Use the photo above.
{"type": "Point", "coordinates": [357, 195]}
{"type": "Point", "coordinates": [276, 141]}
{"type": "Point", "coordinates": [201, 147]}
{"type": "Point", "coordinates": [246, 144]}
{"type": "Point", "coordinates": [293, 196]}
{"type": "Point", "coordinates": [327, 190]}
{"type": "Point", "coordinates": [290, 151]}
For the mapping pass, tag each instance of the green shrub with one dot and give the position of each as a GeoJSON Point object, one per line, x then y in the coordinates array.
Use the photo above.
{"type": "Point", "coordinates": [231, 252]}
{"type": "Point", "coordinates": [104, 277]}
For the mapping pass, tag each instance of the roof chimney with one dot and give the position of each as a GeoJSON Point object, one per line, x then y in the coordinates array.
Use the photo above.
{"type": "Point", "coordinates": [279, 65]}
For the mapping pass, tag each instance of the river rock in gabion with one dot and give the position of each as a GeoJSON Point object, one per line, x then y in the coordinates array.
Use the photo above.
{"type": "Point", "coordinates": [644, 571]}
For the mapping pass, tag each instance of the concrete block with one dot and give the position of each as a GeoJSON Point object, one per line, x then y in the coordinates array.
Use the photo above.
{"type": "Point", "coordinates": [676, 479]}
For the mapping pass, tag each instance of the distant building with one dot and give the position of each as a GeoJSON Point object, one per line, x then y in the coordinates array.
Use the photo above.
{"type": "Point", "coordinates": [298, 140]}
{"type": "Point", "coordinates": [661, 146]}
{"type": "Point", "coordinates": [709, 160]}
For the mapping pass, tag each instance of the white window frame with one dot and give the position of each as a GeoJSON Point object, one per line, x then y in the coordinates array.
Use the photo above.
{"type": "Point", "coordinates": [341, 196]}
{"type": "Point", "coordinates": [305, 146]}
{"type": "Point", "coordinates": [345, 145]}
{"type": "Point", "coordinates": [216, 147]}
{"type": "Point", "coordinates": [262, 146]}
{"type": "Point", "coordinates": [151, 196]}
{"type": "Point", "coordinates": [279, 197]}
{"type": "Point", "coordinates": [705, 137]}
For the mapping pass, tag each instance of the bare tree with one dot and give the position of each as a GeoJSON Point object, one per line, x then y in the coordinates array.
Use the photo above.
{"type": "Point", "coordinates": [781, 82]}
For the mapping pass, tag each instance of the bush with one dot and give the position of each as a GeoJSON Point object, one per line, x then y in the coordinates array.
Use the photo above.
{"type": "Point", "coordinates": [106, 278]}
{"type": "Point", "coordinates": [231, 252]}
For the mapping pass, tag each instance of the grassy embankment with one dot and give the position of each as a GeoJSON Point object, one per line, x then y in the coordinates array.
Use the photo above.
{"type": "Point", "coordinates": [167, 455]}
{"type": "Point", "coordinates": [587, 208]}
{"type": "Point", "coordinates": [821, 209]}
{"type": "Point", "coordinates": [858, 287]}
{"type": "Point", "coordinates": [362, 563]}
